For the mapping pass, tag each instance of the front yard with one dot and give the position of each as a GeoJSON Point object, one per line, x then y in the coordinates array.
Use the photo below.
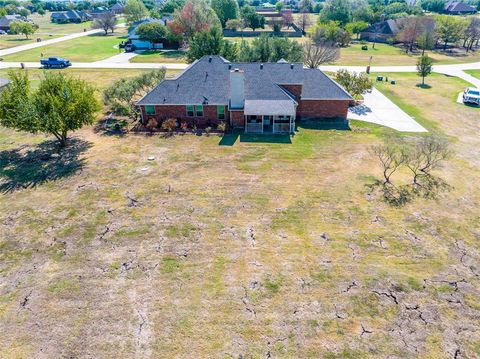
{"type": "Point", "coordinates": [277, 246]}
{"type": "Point", "coordinates": [166, 56]}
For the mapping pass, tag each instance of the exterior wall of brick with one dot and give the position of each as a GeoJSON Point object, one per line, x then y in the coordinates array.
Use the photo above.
{"type": "Point", "coordinates": [237, 119]}
{"type": "Point", "coordinates": [295, 90]}
{"type": "Point", "coordinates": [179, 112]}
{"type": "Point", "coordinates": [322, 108]}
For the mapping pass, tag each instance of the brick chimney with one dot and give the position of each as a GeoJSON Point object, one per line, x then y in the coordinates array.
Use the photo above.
{"type": "Point", "coordinates": [237, 84]}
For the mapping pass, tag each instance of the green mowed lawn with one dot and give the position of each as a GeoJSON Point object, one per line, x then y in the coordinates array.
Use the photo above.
{"type": "Point", "coordinates": [167, 56]}
{"type": "Point", "coordinates": [388, 55]}
{"type": "Point", "coordinates": [475, 73]}
{"type": "Point", "coordinates": [274, 242]}
{"type": "Point", "coordinates": [7, 41]}
{"type": "Point", "coordinates": [85, 49]}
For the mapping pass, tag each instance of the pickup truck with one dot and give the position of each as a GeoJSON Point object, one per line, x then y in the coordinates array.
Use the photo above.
{"type": "Point", "coordinates": [471, 95]}
{"type": "Point", "coordinates": [55, 62]}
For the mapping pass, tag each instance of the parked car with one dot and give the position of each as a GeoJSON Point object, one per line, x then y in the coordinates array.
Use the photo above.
{"type": "Point", "coordinates": [471, 95]}
{"type": "Point", "coordinates": [2, 32]}
{"type": "Point", "coordinates": [129, 48]}
{"type": "Point", "coordinates": [55, 62]}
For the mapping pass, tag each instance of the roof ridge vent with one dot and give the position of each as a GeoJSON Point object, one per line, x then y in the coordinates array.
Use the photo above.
{"type": "Point", "coordinates": [261, 66]}
{"type": "Point", "coordinates": [210, 59]}
{"type": "Point", "coordinates": [291, 66]}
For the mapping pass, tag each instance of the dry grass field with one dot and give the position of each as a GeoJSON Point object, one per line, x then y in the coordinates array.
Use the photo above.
{"type": "Point", "coordinates": [252, 247]}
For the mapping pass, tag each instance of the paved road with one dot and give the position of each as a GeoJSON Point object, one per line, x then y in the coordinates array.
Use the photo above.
{"type": "Point", "coordinates": [115, 64]}
{"type": "Point", "coordinates": [378, 109]}
{"type": "Point", "coordinates": [33, 45]}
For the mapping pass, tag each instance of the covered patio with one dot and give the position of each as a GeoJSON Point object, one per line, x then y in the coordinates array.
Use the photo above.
{"type": "Point", "coordinates": [269, 116]}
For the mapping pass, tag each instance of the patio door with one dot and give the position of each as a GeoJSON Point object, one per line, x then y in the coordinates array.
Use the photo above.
{"type": "Point", "coordinates": [254, 124]}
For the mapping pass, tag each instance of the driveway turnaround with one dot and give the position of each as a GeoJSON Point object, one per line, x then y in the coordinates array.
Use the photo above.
{"type": "Point", "coordinates": [121, 58]}
{"type": "Point", "coordinates": [378, 109]}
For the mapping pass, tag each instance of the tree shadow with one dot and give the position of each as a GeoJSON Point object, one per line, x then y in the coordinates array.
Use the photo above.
{"type": "Point", "coordinates": [111, 127]}
{"type": "Point", "coordinates": [27, 167]}
{"type": "Point", "coordinates": [424, 86]}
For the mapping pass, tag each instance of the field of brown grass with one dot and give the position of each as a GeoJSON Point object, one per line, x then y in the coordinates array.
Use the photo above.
{"type": "Point", "coordinates": [252, 247]}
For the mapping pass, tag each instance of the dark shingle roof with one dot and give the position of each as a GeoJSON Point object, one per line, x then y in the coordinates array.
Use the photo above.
{"type": "Point", "coordinates": [457, 6]}
{"type": "Point", "coordinates": [387, 27]}
{"type": "Point", "coordinates": [208, 81]}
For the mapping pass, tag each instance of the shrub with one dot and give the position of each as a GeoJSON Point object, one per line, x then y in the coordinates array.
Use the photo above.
{"type": "Point", "coordinates": [152, 124]}
{"type": "Point", "coordinates": [184, 126]}
{"type": "Point", "coordinates": [208, 130]}
{"type": "Point", "coordinates": [169, 125]}
{"type": "Point", "coordinates": [221, 127]}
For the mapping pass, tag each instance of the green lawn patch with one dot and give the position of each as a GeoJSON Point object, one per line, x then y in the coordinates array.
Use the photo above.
{"type": "Point", "coordinates": [85, 49]}
{"type": "Point", "coordinates": [165, 56]}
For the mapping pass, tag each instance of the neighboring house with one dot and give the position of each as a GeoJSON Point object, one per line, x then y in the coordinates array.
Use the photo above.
{"type": "Point", "coordinates": [134, 39]}
{"type": "Point", "coordinates": [382, 31]}
{"type": "Point", "coordinates": [70, 16]}
{"type": "Point", "coordinates": [259, 98]}
{"type": "Point", "coordinates": [118, 9]}
{"type": "Point", "coordinates": [7, 19]}
{"type": "Point", "coordinates": [99, 12]}
{"type": "Point", "coordinates": [459, 8]}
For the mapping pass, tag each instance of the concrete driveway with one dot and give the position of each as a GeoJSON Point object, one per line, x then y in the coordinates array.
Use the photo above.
{"type": "Point", "coordinates": [378, 109]}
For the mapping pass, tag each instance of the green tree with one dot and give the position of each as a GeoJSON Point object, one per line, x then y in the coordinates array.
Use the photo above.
{"type": "Point", "coordinates": [152, 32]}
{"type": "Point", "coordinates": [211, 42]}
{"type": "Point", "coordinates": [60, 104]}
{"type": "Point", "coordinates": [270, 49]}
{"type": "Point", "coordinates": [336, 10]}
{"type": "Point", "coordinates": [424, 67]}
{"type": "Point", "coordinates": [327, 32]}
{"type": "Point", "coordinates": [279, 6]}
{"type": "Point", "coordinates": [252, 19]}
{"type": "Point", "coordinates": [234, 24]}
{"type": "Point", "coordinates": [3, 12]}
{"type": "Point", "coordinates": [305, 6]}
{"type": "Point", "coordinates": [135, 10]}
{"type": "Point", "coordinates": [225, 10]}
{"type": "Point", "coordinates": [356, 84]}
{"type": "Point", "coordinates": [124, 93]}
{"type": "Point", "coordinates": [22, 27]}
{"type": "Point", "coordinates": [356, 27]}
{"type": "Point", "coordinates": [449, 29]}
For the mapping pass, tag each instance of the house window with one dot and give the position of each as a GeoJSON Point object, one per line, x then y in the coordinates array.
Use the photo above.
{"type": "Point", "coordinates": [199, 110]}
{"type": "Point", "coordinates": [221, 112]}
{"type": "Point", "coordinates": [150, 110]}
{"type": "Point", "coordinates": [190, 111]}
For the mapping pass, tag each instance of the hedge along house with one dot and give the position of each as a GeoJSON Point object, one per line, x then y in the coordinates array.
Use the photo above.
{"type": "Point", "coordinates": [255, 97]}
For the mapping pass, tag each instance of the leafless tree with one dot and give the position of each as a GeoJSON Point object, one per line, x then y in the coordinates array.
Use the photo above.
{"type": "Point", "coordinates": [391, 158]}
{"type": "Point", "coordinates": [304, 21]}
{"type": "Point", "coordinates": [107, 21]}
{"type": "Point", "coordinates": [410, 29]}
{"type": "Point", "coordinates": [425, 156]}
{"type": "Point", "coordinates": [472, 33]}
{"type": "Point", "coordinates": [315, 54]}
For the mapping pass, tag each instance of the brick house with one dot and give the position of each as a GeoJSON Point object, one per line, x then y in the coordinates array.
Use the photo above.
{"type": "Point", "coordinates": [259, 98]}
